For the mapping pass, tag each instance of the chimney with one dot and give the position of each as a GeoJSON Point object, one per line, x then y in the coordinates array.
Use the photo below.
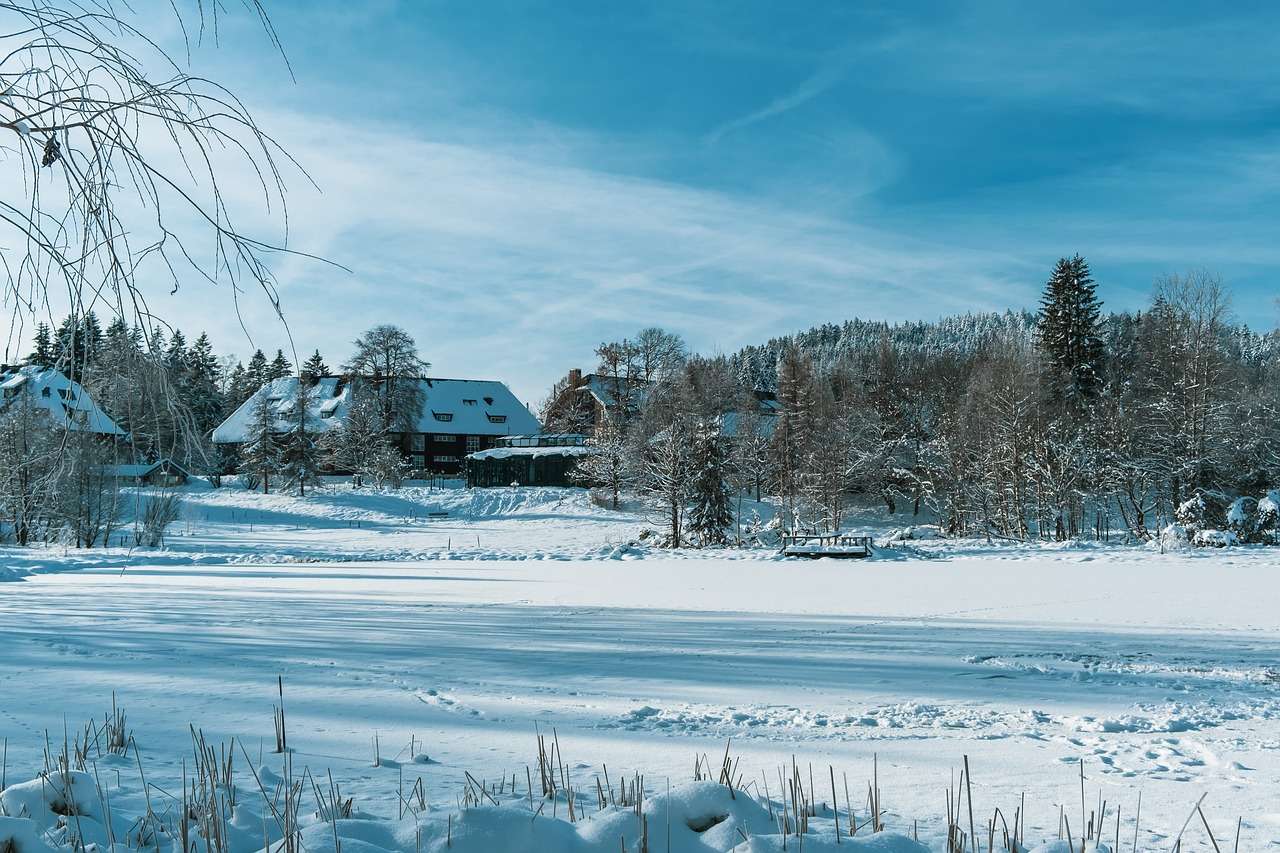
{"type": "Point", "coordinates": [575, 377]}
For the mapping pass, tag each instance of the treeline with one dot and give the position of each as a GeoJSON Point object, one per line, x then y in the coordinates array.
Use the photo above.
{"type": "Point", "coordinates": [59, 483]}
{"type": "Point", "coordinates": [166, 393]}
{"type": "Point", "coordinates": [1059, 424]}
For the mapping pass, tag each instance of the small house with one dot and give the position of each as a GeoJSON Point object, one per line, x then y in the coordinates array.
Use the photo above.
{"type": "Point", "coordinates": [165, 472]}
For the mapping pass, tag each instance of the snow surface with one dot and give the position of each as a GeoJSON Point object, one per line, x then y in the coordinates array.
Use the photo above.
{"type": "Point", "coordinates": [1160, 671]}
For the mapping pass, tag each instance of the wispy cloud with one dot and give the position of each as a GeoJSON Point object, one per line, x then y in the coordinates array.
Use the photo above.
{"type": "Point", "coordinates": [513, 263]}
{"type": "Point", "coordinates": [831, 73]}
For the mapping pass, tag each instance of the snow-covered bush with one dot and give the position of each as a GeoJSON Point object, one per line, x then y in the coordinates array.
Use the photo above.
{"type": "Point", "coordinates": [1173, 537]}
{"type": "Point", "coordinates": [1242, 518]}
{"type": "Point", "coordinates": [1190, 513]}
{"type": "Point", "coordinates": [1268, 521]}
{"type": "Point", "coordinates": [1213, 538]}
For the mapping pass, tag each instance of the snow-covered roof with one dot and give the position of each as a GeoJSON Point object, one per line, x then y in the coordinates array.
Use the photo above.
{"type": "Point", "coordinates": [48, 390]}
{"type": "Point", "coordinates": [765, 424]}
{"type": "Point", "coordinates": [603, 388]}
{"type": "Point", "coordinates": [139, 470]}
{"type": "Point", "coordinates": [534, 452]}
{"type": "Point", "coordinates": [450, 407]}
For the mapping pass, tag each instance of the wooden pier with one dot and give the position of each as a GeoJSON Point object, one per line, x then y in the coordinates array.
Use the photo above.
{"type": "Point", "coordinates": [837, 545]}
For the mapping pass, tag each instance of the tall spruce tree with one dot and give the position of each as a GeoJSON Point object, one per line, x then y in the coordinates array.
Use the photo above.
{"type": "Point", "coordinates": [279, 367]}
{"type": "Point", "coordinates": [42, 353]}
{"type": "Point", "coordinates": [1068, 332]}
{"type": "Point", "coordinates": [256, 370]}
{"type": "Point", "coordinates": [710, 512]}
{"type": "Point", "coordinates": [314, 367]}
{"type": "Point", "coordinates": [260, 454]}
{"type": "Point", "coordinates": [300, 455]}
{"type": "Point", "coordinates": [202, 394]}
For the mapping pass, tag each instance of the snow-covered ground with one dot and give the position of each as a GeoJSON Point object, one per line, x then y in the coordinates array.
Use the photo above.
{"type": "Point", "coordinates": [1160, 671]}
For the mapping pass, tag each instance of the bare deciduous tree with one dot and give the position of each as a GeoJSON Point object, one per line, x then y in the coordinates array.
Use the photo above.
{"type": "Point", "coordinates": [116, 150]}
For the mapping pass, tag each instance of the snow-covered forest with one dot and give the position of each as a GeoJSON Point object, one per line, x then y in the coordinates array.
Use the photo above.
{"type": "Point", "coordinates": [1058, 424]}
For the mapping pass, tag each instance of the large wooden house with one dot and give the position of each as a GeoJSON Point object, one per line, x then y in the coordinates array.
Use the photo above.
{"type": "Point", "coordinates": [458, 417]}
{"type": "Point", "coordinates": [584, 403]}
{"type": "Point", "coordinates": [52, 394]}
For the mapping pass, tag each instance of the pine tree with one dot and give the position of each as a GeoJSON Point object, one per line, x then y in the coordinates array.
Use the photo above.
{"type": "Point", "coordinates": [260, 454]}
{"type": "Point", "coordinates": [314, 367]}
{"type": "Point", "coordinates": [256, 372]}
{"type": "Point", "coordinates": [709, 511]}
{"type": "Point", "coordinates": [280, 367]}
{"type": "Point", "coordinates": [91, 332]}
{"type": "Point", "coordinates": [175, 356]}
{"type": "Point", "coordinates": [1068, 332]}
{"type": "Point", "coordinates": [202, 394]}
{"type": "Point", "coordinates": [42, 352]}
{"type": "Point", "coordinates": [301, 453]}
{"type": "Point", "coordinates": [239, 386]}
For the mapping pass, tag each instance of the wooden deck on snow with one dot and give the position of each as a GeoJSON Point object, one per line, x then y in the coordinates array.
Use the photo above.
{"type": "Point", "coordinates": [837, 545]}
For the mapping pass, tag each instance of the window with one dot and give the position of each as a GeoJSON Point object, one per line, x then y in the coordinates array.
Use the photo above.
{"type": "Point", "coordinates": [44, 392]}
{"type": "Point", "coordinates": [419, 442]}
{"type": "Point", "coordinates": [473, 444]}
{"type": "Point", "coordinates": [444, 460]}
{"type": "Point", "coordinates": [488, 401]}
{"type": "Point", "coordinates": [497, 419]}
{"type": "Point", "coordinates": [448, 439]}
{"type": "Point", "coordinates": [442, 416]}
{"type": "Point", "coordinates": [468, 402]}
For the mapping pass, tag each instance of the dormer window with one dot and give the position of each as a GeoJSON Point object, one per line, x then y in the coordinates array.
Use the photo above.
{"type": "Point", "coordinates": [468, 402]}
{"type": "Point", "coordinates": [442, 416]}
{"type": "Point", "coordinates": [497, 419]}
{"type": "Point", "coordinates": [488, 401]}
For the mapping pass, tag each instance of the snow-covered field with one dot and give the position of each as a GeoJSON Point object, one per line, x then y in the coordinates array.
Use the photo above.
{"type": "Point", "coordinates": [1160, 671]}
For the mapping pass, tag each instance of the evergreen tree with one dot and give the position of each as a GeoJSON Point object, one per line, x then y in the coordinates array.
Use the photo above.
{"type": "Point", "coordinates": [279, 367]}
{"type": "Point", "coordinates": [301, 453]}
{"type": "Point", "coordinates": [256, 372]}
{"type": "Point", "coordinates": [91, 332]}
{"type": "Point", "coordinates": [314, 367]}
{"type": "Point", "coordinates": [239, 386]}
{"type": "Point", "coordinates": [203, 397]}
{"type": "Point", "coordinates": [260, 454]}
{"type": "Point", "coordinates": [42, 352]}
{"type": "Point", "coordinates": [76, 346]}
{"type": "Point", "coordinates": [175, 356]}
{"type": "Point", "coordinates": [1068, 331]}
{"type": "Point", "coordinates": [709, 512]}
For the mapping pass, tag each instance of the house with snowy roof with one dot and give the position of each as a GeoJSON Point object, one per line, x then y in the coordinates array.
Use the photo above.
{"type": "Point", "coordinates": [51, 393]}
{"type": "Point", "coordinates": [458, 417]}
{"type": "Point", "coordinates": [584, 403]}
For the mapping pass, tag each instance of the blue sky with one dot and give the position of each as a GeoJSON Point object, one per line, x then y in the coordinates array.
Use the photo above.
{"type": "Point", "coordinates": [515, 182]}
